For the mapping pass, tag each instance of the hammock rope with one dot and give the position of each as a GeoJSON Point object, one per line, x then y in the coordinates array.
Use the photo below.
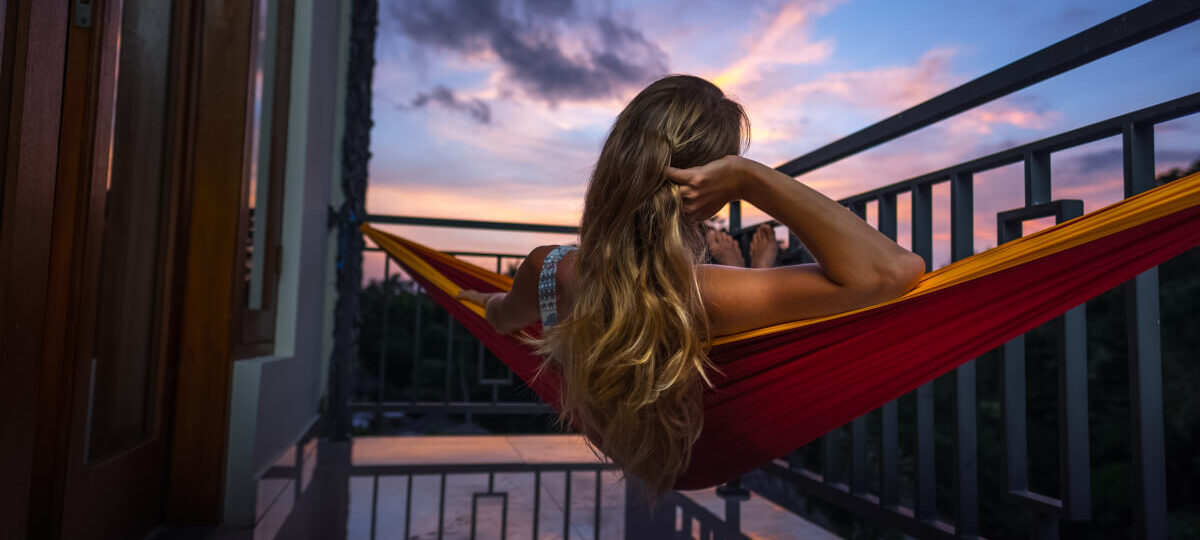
{"type": "Point", "coordinates": [786, 385]}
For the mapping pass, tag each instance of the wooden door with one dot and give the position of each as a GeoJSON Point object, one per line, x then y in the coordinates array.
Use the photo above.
{"type": "Point", "coordinates": [113, 272]}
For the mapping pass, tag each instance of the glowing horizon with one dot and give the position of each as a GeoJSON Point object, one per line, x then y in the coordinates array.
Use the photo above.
{"type": "Point", "coordinates": [496, 111]}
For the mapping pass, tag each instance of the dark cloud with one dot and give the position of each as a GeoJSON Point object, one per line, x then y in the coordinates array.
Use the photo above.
{"type": "Point", "coordinates": [552, 8]}
{"type": "Point", "coordinates": [445, 97]}
{"type": "Point", "coordinates": [526, 36]}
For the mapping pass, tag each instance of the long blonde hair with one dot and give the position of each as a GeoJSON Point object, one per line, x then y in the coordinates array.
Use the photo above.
{"type": "Point", "coordinates": [634, 348]}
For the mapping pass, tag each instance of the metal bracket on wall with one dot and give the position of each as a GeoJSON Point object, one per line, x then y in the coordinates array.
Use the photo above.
{"type": "Point", "coordinates": [83, 13]}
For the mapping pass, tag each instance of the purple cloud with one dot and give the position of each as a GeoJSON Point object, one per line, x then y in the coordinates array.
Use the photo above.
{"type": "Point", "coordinates": [529, 39]}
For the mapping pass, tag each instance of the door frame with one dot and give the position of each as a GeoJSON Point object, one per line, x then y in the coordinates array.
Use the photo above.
{"type": "Point", "coordinates": [34, 55]}
{"type": "Point", "coordinates": [48, 242]}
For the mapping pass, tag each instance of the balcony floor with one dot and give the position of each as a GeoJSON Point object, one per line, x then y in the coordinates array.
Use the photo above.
{"type": "Point", "coordinates": [760, 518]}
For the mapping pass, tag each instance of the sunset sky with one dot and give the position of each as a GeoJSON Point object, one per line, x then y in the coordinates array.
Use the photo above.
{"type": "Point", "coordinates": [497, 110]}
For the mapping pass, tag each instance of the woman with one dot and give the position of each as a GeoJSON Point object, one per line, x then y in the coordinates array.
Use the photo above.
{"type": "Point", "coordinates": [636, 309]}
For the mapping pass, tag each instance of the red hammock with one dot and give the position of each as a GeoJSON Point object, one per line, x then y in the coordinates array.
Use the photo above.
{"type": "Point", "coordinates": [785, 386]}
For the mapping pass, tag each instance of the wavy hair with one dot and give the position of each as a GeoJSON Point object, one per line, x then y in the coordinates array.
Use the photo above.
{"type": "Point", "coordinates": [633, 350]}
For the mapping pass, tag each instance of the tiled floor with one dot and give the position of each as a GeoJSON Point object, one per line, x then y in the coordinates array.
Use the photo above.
{"type": "Point", "coordinates": [760, 518]}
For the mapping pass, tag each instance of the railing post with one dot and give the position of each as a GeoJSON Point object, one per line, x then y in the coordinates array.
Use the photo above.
{"type": "Point", "coordinates": [922, 242]}
{"type": "Point", "coordinates": [383, 334]}
{"type": "Point", "coordinates": [734, 494]}
{"type": "Point", "coordinates": [889, 455]}
{"type": "Point", "coordinates": [449, 354]}
{"type": "Point", "coordinates": [640, 522]}
{"type": "Point", "coordinates": [966, 454]}
{"type": "Point", "coordinates": [1074, 452]}
{"type": "Point", "coordinates": [1037, 178]}
{"type": "Point", "coordinates": [831, 459]}
{"type": "Point", "coordinates": [735, 216]}
{"type": "Point", "coordinates": [1145, 358]}
{"type": "Point", "coordinates": [416, 357]}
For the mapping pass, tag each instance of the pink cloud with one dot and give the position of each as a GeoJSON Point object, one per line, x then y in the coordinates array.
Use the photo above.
{"type": "Point", "coordinates": [784, 40]}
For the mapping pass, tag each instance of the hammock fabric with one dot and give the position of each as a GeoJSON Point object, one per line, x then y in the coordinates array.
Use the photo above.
{"type": "Point", "coordinates": [786, 385]}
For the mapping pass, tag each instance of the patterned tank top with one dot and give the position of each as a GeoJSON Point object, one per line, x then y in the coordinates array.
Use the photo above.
{"type": "Point", "coordinates": [547, 299]}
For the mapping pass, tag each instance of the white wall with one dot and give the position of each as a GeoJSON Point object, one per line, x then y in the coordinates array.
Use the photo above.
{"type": "Point", "coordinates": [276, 399]}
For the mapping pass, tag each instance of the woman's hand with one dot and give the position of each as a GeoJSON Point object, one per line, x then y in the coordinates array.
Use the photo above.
{"type": "Point", "coordinates": [705, 189]}
{"type": "Point", "coordinates": [476, 297]}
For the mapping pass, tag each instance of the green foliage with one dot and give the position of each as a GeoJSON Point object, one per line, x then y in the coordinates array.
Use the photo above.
{"type": "Point", "coordinates": [428, 381]}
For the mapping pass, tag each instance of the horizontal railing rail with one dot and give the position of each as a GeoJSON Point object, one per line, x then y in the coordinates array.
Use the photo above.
{"type": "Point", "coordinates": [638, 522]}
{"type": "Point", "coordinates": [886, 195]}
{"type": "Point", "coordinates": [472, 224]}
{"type": "Point", "coordinates": [1118, 33]}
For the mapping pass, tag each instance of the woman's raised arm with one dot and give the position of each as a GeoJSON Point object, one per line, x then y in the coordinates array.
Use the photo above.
{"type": "Point", "coordinates": [856, 265]}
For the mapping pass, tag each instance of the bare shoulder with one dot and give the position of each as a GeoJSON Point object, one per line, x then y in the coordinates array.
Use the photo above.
{"type": "Point", "coordinates": [740, 299]}
{"type": "Point", "coordinates": [531, 267]}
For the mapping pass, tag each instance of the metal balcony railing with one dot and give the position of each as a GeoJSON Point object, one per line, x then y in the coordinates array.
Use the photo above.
{"type": "Point", "coordinates": [842, 477]}
{"type": "Point", "coordinates": [676, 514]}
{"type": "Point", "coordinates": [460, 400]}
{"type": "Point", "coordinates": [782, 481]}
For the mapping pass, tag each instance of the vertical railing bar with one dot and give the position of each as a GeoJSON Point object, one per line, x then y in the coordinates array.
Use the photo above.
{"type": "Point", "coordinates": [1037, 177]}
{"type": "Point", "coordinates": [503, 516]}
{"type": "Point", "coordinates": [596, 520]}
{"type": "Point", "coordinates": [922, 242]}
{"type": "Point", "coordinates": [374, 502]}
{"type": "Point", "coordinates": [408, 505]}
{"type": "Point", "coordinates": [449, 355]}
{"type": "Point", "coordinates": [795, 459]}
{"type": "Point", "coordinates": [966, 452]}
{"type": "Point", "coordinates": [1074, 457]}
{"type": "Point", "coordinates": [858, 455]}
{"type": "Point", "coordinates": [416, 357]}
{"type": "Point", "coordinates": [497, 264]}
{"type": "Point", "coordinates": [889, 456]}
{"type": "Point", "coordinates": [886, 210]}
{"type": "Point", "coordinates": [922, 222]}
{"type": "Point", "coordinates": [735, 216]}
{"type": "Point", "coordinates": [859, 209]}
{"type": "Point", "coordinates": [383, 338]}
{"type": "Point", "coordinates": [537, 501]}
{"type": "Point", "coordinates": [1012, 393]}
{"type": "Point", "coordinates": [734, 494]}
{"type": "Point", "coordinates": [1145, 357]}
{"type": "Point", "coordinates": [567, 505]}
{"type": "Point", "coordinates": [441, 506]}
{"type": "Point", "coordinates": [831, 464]}
{"type": "Point", "coordinates": [479, 376]}
{"type": "Point", "coordinates": [962, 216]}
{"type": "Point", "coordinates": [1012, 410]}
{"type": "Point", "coordinates": [925, 472]}
{"type": "Point", "coordinates": [462, 381]}
{"type": "Point", "coordinates": [474, 514]}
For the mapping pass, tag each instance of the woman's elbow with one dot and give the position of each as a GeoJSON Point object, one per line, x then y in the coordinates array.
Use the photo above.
{"type": "Point", "coordinates": [903, 273]}
{"type": "Point", "coordinates": [505, 324]}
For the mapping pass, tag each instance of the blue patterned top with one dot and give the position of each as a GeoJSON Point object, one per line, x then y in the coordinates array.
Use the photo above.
{"type": "Point", "coordinates": [547, 299]}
